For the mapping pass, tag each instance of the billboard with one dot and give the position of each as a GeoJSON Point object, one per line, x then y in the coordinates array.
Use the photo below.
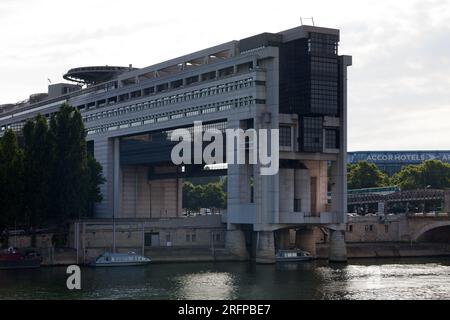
{"type": "Point", "coordinates": [398, 157]}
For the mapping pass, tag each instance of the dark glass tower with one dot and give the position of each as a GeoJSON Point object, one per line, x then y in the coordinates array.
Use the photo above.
{"type": "Point", "coordinates": [309, 87]}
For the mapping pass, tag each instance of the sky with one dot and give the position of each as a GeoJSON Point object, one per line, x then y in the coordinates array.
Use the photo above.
{"type": "Point", "coordinates": [398, 86]}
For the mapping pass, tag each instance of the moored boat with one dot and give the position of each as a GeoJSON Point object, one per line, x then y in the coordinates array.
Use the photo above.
{"type": "Point", "coordinates": [292, 255]}
{"type": "Point", "coordinates": [108, 259]}
{"type": "Point", "coordinates": [12, 258]}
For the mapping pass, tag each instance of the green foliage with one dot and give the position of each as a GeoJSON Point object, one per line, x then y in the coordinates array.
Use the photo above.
{"type": "Point", "coordinates": [37, 170]}
{"type": "Point", "coordinates": [192, 196]}
{"type": "Point", "coordinates": [433, 174]}
{"type": "Point", "coordinates": [94, 178]}
{"type": "Point", "coordinates": [11, 177]}
{"type": "Point", "coordinates": [51, 178]}
{"type": "Point", "coordinates": [365, 175]}
{"type": "Point", "coordinates": [211, 195]}
{"type": "Point", "coordinates": [69, 159]}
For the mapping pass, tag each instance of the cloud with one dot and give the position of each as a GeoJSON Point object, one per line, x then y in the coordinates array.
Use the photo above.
{"type": "Point", "coordinates": [399, 95]}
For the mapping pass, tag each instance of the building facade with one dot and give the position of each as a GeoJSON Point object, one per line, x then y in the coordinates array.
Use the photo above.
{"type": "Point", "coordinates": [392, 162]}
{"type": "Point", "coordinates": [293, 81]}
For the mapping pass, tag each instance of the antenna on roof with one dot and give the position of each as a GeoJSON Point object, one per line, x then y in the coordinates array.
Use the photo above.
{"type": "Point", "coordinates": [312, 20]}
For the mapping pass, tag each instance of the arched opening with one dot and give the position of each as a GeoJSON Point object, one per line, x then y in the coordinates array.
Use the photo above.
{"type": "Point", "coordinates": [436, 235]}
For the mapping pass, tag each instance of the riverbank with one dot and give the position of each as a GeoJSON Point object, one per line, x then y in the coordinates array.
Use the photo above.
{"type": "Point", "coordinates": [61, 257]}
{"type": "Point", "coordinates": [390, 250]}
{"type": "Point", "coordinates": [176, 254]}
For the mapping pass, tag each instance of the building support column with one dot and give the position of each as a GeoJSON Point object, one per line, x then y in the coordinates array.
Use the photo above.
{"type": "Point", "coordinates": [116, 178]}
{"type": "Point", "coordinates": [283, 239]}
{"type": "Point", "coordinates": [235, 243]}
{"type": "Point", "coordinates": [180, 197]}
{"type": "Point", "coordinates": [338, 249]}
{"type": "Point", "coordinates": [447, 201]}
{"type": "Point", "coordinates": [265, 247]}
{"type": "Point", "coordinates": [306, 240]}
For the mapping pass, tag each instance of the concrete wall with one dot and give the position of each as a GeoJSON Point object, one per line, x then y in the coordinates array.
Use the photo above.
{"type": "Point", "coordinates": [303, 189]}
{"type": "Point", "coordinates": [295, 184]}
{"type": "Point", "coordinates": [318, 171]}
{"type": "Point", "coordinates": [142, 198]}
{"type": "Point", "coordinates": [198, 231]}
{"type": "Point", "coordinates": [287, 180]}
{"type": "Point", "coordinates": [392, 228]}
{"type": "Point", "coordinates": [43, 240]}
{"type": "Point", "coordinates": [371, 229]}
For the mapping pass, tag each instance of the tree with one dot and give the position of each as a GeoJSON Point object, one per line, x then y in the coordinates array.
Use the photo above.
{"type": "Point", "coordinates": [11, 186]}
{"type": "Point", "coordinates": [37, 166]}
{"type": "Point", "coordinates": [429, 174]}
{"type": "Point", "coordinates": [192, 196]}
{"type": "Point", "coordinates": [94, 178]}
{"type": "Point", "coordinates": [69, 163]}
{"type": "Point", "coordinates": [213, 196]}
{"type": "Point", "coordinates": [52, 178]}
{"type": "Point", "coordinates": [365, 175]}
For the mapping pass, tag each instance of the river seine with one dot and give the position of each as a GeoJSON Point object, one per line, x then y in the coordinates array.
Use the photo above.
{"type": "Point", "coordinates": [359, 279]}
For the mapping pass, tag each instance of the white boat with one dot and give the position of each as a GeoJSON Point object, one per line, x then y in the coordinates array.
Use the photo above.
{"type": "Point", "coordinates": [108, 259]}
{"type": "Point", "coordinates": [292, 255]}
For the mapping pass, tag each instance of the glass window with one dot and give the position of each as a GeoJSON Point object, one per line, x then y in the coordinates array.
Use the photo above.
{"type": "Point", "coordinates": [285, 136]}
{"type": "Point", "coordinates": [312, 135]}
{"type": "Point", "coordinates": [331, 139]}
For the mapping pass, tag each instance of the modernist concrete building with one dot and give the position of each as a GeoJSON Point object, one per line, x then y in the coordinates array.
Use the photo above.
{"type": "Point", "coordinates": [293, 80]}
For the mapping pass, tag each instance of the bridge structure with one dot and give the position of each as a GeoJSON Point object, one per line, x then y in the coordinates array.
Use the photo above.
{"type": "Point", "coordinates": [293, 81]}
{"type": "Point", "coordinates": [428, 227]}
{"type": "Point", "coordinates": [408, 196]}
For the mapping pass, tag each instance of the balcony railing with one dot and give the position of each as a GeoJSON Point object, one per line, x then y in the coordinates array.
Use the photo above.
{"type": "Point", "coordinates": [308, 218]}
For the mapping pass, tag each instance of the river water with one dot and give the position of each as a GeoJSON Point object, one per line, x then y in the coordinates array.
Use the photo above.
{"type": "Point", "coordinates": [360, 279]}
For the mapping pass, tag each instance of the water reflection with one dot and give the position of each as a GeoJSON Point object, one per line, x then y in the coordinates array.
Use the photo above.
{"type": "Point", "coordinates": [365, 279]}
{"type": "Point", "coordinates": [207, 285]}
{"type": "Point", "coordinates": [393, 281]}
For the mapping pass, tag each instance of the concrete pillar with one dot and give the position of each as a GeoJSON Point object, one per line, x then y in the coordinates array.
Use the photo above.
{"type": "Point", "coordinates": [265, 247]}
{"type": "Point", "coordinates": [303, 189]}
{"type": "Point", "coordinates": [104, 151]}
{"type": "Point", "coordinates": [233, 182]}
{"type": "Point", "coordinates": [339, 189]}
{"type": "Point", "coordinates": [283, 239]}
{"type": "Point", "coordinates": [235, 243]}
{"type": "Point", "coordinates": [287, 185]}
{"type": "Point", "coordinates": [305, 239]}
{"type": "Point", "coordinates": [179, 197]}
{"type": "Point", "coordinates": [447, 201]}
{"type": "Point", "coordinates": [318, 186]}
{"type": "Point", "coordinates": [338, 249]}
{"type": "Point", "coordinates": [116, 178]}
{"type": "Point", "coordinates": [381, 207]}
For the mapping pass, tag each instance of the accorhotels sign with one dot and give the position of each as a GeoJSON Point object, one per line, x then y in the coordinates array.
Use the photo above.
{"type": "Point", "coordinates": [407, 157]}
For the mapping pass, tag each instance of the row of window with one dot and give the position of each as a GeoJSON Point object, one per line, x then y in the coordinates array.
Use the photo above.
{"type": "Point", "coordinates": [312, 134]}
{"type": "Point", "coordinates": [323, 44]}
{"type": "Point", "coordinates": [311, 137]}
{"type": "Point", "coordinates": [156, 118]}
{"type": "Point", "coordinates": [182, 97]}
{"type": "Point", "coordinates": [15, 126]}
{"type": "Point", "coordinates": [285, 136]}
{"type": "Point", "coordinates": [368, 228]}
